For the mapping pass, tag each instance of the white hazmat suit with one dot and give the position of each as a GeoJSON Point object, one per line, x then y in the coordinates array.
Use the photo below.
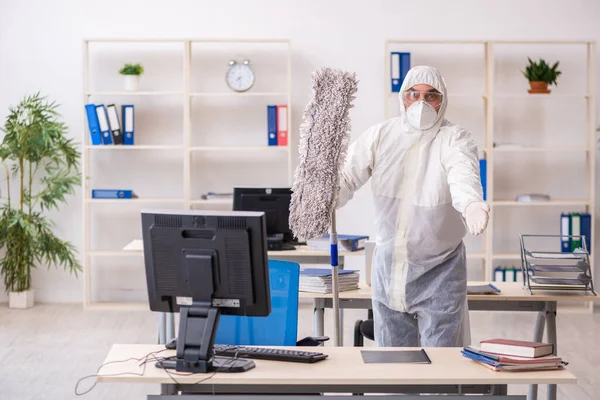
{"type": "Point", "coordinates": [425, 183]}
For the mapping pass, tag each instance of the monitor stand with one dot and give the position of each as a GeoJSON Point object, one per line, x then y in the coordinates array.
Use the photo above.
{"type": "Point", "coordinates": [197, 330]}
{"type": "Point", "coordinates": [276, 243]}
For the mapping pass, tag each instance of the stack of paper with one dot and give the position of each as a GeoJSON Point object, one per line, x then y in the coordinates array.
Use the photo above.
{"type": "Point", "coordinates": [319, 280]}
{"type": "Point", "coordinates": [345, 243]}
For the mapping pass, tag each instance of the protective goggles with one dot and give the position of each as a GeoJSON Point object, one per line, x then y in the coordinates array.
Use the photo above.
{"type": "Point", "coordinates": [433, 98]}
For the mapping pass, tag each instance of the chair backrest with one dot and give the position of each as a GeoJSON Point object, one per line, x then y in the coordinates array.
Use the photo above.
{"type": "Point", "coordinates": [280, 328]}
{"type": "Point", "coordinates": [369, 247]}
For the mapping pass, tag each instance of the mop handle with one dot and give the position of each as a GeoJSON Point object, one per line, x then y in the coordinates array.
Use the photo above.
{"type": "Point", "coordinates": [334, 275]}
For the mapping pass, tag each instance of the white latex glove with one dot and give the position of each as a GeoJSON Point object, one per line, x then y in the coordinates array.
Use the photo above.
{"type": "Point", "coordinates": [477, 217]}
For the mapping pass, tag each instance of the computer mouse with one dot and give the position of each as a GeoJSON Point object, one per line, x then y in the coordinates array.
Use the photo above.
{"type": "Point", "coordinates": [172, 345]}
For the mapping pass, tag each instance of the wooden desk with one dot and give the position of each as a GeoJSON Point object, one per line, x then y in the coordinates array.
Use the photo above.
{"type": "Point", "coordinates": [301, 255]}
{"type": "Point", "coordinates": [513, 297]}
{"type": "Point", "coordinates": [343, 372]}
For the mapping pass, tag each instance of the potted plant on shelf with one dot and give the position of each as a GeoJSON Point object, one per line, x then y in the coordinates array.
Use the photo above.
{"type": "Point", "coordinates": [540, 75]}
{"type": "Point", "coordinates": [42, 168]}
{"type": "Point", "coordinates": [131, 74]}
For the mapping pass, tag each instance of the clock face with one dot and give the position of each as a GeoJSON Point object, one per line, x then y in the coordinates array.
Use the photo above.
{"type": "Point", "coordinates": [240, 77]}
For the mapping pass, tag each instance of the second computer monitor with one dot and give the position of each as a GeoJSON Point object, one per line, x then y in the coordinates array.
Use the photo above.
{"type": "Point", "coordinates": [274, 202]}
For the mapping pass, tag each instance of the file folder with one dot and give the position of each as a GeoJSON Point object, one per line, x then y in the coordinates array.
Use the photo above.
{"type": "Point", "coordinates": [400, 64]}
{"type": "Point", "coordinates": [575, 231]}
{"type": "Point", "coordinates": [103, 122]}
{"type": "Point", "coordinates": [499, 274]}
{"type": "Point", "coordinates": [92, 117]}
{"type": "Point", "coordinates": [483, 176]}
{"type": "Point", "coordinates": [272, 125]}
{"type": "Point", "coordinates": [565, 231]}
{"type": "Point", "coordinates": [586, 230]}
{"type": "Point", "coordinates": [112, 194]}
{"type": "Point", "coordinates": [114, 125]}
{"type": "Point", "coordinates": [128, 123]}
{"type": "Point", "coordinates": [282, 125]}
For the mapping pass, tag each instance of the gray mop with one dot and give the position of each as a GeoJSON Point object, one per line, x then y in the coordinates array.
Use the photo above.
{"type": "Point", "coordinates": [324, 139]}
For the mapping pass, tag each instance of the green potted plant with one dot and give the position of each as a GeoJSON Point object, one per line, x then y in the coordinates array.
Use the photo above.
{"type": "Point", "coordinates": [131, 74]}
{"type": "Point", "coordinates": [540, 75]}
{"type": "Point", "coordinates": [42, 168]}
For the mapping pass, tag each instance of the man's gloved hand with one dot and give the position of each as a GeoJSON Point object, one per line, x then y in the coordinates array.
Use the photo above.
{"type": "Point", "coordinates": [477, 217]}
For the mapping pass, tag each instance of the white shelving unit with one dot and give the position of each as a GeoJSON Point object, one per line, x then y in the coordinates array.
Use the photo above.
{"type": "Point", "coordinates": [200, 87]}
{"type": "Point", "coordinates": [456, 58]}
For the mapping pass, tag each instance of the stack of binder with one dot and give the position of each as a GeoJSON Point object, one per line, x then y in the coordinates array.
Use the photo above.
{"type": "Point", "coordinates": [277, 125]}
{"type": "Point", "coordinates": [319, 280]}
{"type": "Point", "coordinates": [105, 127]}
{"type": "Point", "coordinates": [575, 224]}
{"type": "Point", "coordinates": [399, 66]}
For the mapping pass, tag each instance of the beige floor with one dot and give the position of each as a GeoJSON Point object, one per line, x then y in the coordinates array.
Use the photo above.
{"type": "Point", "coordinates": [45, 350]}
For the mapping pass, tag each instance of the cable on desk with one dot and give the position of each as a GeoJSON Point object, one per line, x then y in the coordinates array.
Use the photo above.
{"type": "Point", "coordinates": [119, 374]}
{"type": "Point", "coordinates": [143, 361]}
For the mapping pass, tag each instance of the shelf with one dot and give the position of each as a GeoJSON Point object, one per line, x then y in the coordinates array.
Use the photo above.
{"type": "Point", "coordinates": [542, 95]}
{"type": "Point", "coordinates": [466, 95]}
{"type": "Point", "coordinates": [215, 201]}
{"type": "Point", "coordinates": [506, 256]}
{"type": "Point", "coordinates": [239, 148]}
{"type": "Point", "coordinates": [119, 147]}
{"type": "Point", "coordinates": [113, 253]}
{"type": "Point", "coordinates": [476, 255]}
{"type": "Point", "coordinates": [504, 203]}
{"type": "Point", "coordinates": [126, 93]}
{"type": "Point", "coordinates": [506, 149]}
{"type": "Point", "coordinates": [138, 200]}
{"type": "Point", "coordinates": [235, 94]}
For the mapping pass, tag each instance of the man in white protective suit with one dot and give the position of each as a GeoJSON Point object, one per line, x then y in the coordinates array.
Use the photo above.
{"type": "Point", "coordinates": [427, 191]}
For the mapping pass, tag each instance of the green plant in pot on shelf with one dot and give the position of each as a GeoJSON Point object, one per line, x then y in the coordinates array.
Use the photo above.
{"type": "Point", "coordinates": [42, 169]}
{"type": "Point", "coordinates": [131, 74]}
{"type": "Point", "coordinates": [540, 74]}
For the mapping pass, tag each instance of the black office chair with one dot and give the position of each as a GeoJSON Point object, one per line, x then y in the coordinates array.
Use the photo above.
{"type": "Point", "coordinates": [364, 329]}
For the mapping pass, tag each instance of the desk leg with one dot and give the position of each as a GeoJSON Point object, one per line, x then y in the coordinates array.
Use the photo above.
{"type": "Point", "coordinates": [168, 389]}
{"type": "Point", "coordinates": [161, 328]}
{"type": "Point", "coordinates": [341, 331]}
{"type": "Point", "coordinates": [551, 336]}
{"type": "Point", "coordinates": [538, 335]}
{"type": "Point", "coordinates": [170, 322]}
{"type": "Point", "coordinates": [319, 319]}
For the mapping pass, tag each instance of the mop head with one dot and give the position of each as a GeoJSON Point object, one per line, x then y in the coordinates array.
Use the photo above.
{"type": "Point", "coordinates": [324, 139]}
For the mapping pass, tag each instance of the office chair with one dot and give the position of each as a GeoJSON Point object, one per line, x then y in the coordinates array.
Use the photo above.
{"type": "Point", "coordinates": [280, 328]}
{"type": "Point", "coordinates": [365, 329]}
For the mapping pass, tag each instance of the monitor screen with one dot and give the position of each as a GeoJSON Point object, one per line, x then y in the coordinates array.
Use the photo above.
{"type": "Point", "coordinates": [274, 202]}
{"type": "Point", "coordinates": [217, 257]}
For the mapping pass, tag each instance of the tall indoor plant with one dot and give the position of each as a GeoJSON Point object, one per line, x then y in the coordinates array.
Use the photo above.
{"type": "Point", "coordinates": [42, 168]}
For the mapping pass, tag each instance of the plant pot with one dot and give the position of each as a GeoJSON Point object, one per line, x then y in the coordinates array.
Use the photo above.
{"type": "Point", "coordinates": [538, 87]}
{"type": "Point", "coordinates": [22, 300]}
{"type": "Point", "coordinates": [132, 82]}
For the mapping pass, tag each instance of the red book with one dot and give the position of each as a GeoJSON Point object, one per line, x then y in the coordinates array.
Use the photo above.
{"type": "Point", "coordinates": [516, 348]}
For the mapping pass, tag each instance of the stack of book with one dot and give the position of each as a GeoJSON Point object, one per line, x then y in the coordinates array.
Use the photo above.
{"type": "Point", "coordinates": [319, 280]}
{"type": "Point", "coordinates": [514, 355]}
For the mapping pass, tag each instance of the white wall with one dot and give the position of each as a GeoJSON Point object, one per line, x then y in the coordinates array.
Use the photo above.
{"type": "Point", "coordinates": [41, 49]}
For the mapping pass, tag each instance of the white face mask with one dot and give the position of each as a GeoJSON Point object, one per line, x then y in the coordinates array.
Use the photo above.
{"type": "Point", "coordinates": [421, 115]}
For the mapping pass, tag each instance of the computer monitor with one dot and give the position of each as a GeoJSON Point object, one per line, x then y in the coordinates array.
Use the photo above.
{"type": "Point", "coordinates": [203, 264]}
{"type": "Point", "coordinates": [275, 203]}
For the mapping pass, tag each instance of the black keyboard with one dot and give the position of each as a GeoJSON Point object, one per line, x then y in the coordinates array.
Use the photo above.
{"type": "Point", "coordinates": [266, 353]}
